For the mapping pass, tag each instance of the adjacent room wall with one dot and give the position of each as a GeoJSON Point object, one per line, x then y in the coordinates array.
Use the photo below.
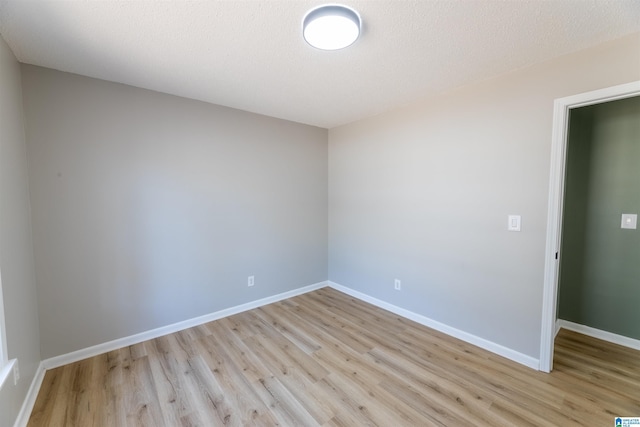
{"type": "Point", "coordinates": [600, 273]}
{"type": "Point", "coordinates": [422, 194]}
{"type": "Point", "coordinates": [150, 209]}
{"type": "Point", "coordinates": [576, 192]}
{"type": "Point", "coordinates": [16, 250]}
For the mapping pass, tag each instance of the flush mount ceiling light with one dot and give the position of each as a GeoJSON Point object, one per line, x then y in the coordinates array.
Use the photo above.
{"type": "Point", "coordinates": [331, 27]}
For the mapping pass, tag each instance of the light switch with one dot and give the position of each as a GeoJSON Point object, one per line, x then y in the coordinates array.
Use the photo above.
{"type": "Point", "coordinates": [629, 221]}
{"type": "Point", "coordinates": [514, 223]}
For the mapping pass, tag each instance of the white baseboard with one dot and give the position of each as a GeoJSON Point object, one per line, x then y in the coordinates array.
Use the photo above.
{"type": "Point", "coordinates": [498, 349]}
{"type": "Point", "coordinates": [95, 350]}
{"type": "Point", "coordinates": [57, 361]}
{"type": "Point", "coordinates": [600, 334]}
{"type": "Point", "coordinates": [558, 327]}
{"type": "Point", "coordinates": [30, 399]}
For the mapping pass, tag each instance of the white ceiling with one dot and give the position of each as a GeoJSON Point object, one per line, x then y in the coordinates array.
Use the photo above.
{"type": "Point", "coordinates": [250, 55]}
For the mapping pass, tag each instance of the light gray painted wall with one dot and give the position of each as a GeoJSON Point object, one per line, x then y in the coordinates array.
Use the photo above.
{"type": "Point", "coordinates": [600, 272]}
{"type": "Point", "coordinates": [150, 209]}
{"type": "Point", "coordinates": [16, 250]}
{"type": "Point", "coordinates": [422, 194]}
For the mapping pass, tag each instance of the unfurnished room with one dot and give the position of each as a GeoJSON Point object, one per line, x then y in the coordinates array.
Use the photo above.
{"type": "Point", "coordinates": [294, 213]}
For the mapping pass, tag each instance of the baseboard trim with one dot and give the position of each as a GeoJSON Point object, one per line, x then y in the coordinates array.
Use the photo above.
{"type": "Point", "coordinates": [57, 361]}
{"type": "Point", "coordinates": [95, 350]}
{"type": "Point", "coordinates": [558, 327]}
{"type": "Point", "coordinates": [498, 349]}
{"type": "Point", "coordinates": [600, 334]}
{"type": "Point", "coordinates": [30, 400]}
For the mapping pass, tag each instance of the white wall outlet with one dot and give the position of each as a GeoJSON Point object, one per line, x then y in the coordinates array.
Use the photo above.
{"type": "Point", "coordinates": [629, 221]}
{"type": "Point", "coordinates": [514, 223]}
{"type": "Point", "coordinates": [16, 373]}
{"type": "Point", "coordinates": [397, 284]}
{"type": "Point", "coordinates": [250, 281]}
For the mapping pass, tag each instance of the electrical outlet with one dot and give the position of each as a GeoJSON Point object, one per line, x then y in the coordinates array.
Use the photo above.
{"type": "Point", "coordinates": [250, 281]}
{"type": "Point", "coordinates": [397, 284]}
{"type": "Point", "coordinates": [16, 373]}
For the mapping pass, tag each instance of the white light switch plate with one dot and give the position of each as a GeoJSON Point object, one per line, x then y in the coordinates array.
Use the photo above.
{"type": "Point", "coordinates": [514, 223]}
{"type": "Point", "coordinates": [629, 221]}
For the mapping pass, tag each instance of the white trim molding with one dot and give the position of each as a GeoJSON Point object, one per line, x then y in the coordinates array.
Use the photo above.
{"type": "Point", "coordinates": [64, 359]}
{"type": "Point", "coordinates": [4, 355]}
{"type": "Point", "coordinates": [95, 350]}
{"type": "Point", "coordinates": [6, 369]}
{"type": "Point", "coordinates": [30, 400]}
{"type": "Point", "coordinates": [561, 109]}
{"type": "Point", "coordinates": [498, 349]}
{"type": "Point", "coordinates": [600, 334]}
{"type": "Point", "coordinates": [57, 361]}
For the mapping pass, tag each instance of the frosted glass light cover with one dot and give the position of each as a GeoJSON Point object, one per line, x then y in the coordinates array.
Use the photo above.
{"type": "Point", "coordinates": [331, 27]}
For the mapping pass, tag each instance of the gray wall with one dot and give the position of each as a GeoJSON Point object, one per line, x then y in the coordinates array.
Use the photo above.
{"type": "Point", "coordinates": [422, 194]}
{"type": "Point", "coordinates": [16, 251]}
{"type": "Point", "coordinates": [150, 209]}
{"type": "Point", "coordinates": [600, 272]}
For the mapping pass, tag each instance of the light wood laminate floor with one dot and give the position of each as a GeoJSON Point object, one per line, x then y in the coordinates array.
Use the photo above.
{"type": "Point", "coordinates": [327, 359]}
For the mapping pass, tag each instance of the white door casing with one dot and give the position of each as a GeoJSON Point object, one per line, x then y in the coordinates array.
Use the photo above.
{"type": "Point", "coordinates": [561, 110]}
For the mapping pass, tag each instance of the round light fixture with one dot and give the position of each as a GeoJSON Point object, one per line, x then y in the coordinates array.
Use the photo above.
{"type": "Point", "coordinates": [331, 27]}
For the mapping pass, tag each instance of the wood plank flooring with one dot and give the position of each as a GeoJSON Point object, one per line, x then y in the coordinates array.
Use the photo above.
{"type": "Point", "coordinates": [326, 359]}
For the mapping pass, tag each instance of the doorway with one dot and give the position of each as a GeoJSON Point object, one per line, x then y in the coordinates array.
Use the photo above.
{"type": "Point", "coordinates": [562, 109]}
{"type": "Point", "coordinates": [599, 270]}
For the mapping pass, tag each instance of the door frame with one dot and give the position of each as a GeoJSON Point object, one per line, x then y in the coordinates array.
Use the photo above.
{"type": "Point", "coordinates": [561, 111]}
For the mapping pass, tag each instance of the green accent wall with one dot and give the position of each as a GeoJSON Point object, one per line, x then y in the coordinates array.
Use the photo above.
{"type": "Point", "coordinates": [600, 261]}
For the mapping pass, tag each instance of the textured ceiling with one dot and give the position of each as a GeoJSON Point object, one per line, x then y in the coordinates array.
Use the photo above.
{"type": "Point", "coordinates": [250, 55]}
